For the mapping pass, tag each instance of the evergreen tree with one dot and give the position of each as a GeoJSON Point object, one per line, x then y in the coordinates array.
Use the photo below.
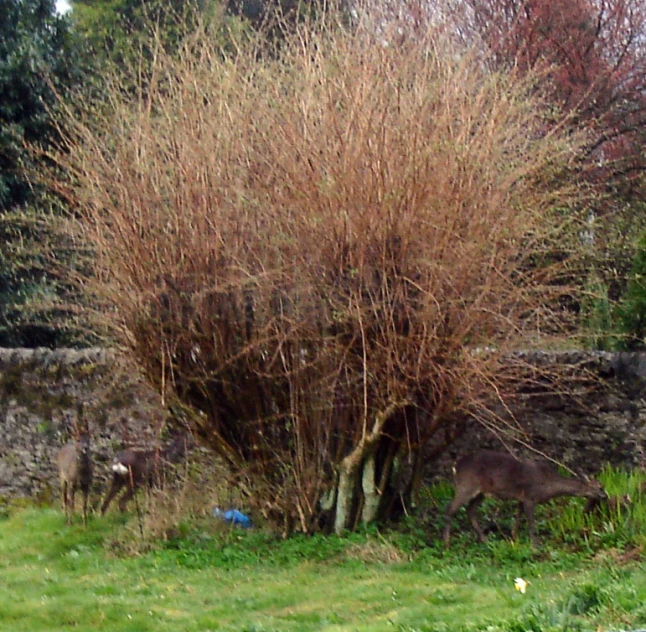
{"type": "Point", "coordinates": [38, 58]}
{"type": "Point", "coordinates": [40, 61]}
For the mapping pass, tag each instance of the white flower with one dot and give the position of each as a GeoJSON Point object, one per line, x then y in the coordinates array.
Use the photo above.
{"type": "Point", "coordinates": [520, 584]}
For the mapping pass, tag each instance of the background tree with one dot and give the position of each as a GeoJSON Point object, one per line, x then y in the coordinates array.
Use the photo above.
{"type": "Point", "coordinates": [320, 256]}
{"type": "Point", "coordinates": [39, 59]}
{"type": "Point", "coordinates": [591, 54]}
{"type": "Point", "coordinates": [118, 31]}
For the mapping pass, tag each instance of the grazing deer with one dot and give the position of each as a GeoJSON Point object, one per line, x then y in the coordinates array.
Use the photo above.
{"type": "Point", "coordinates": [503, 476]}
{"type": "Point", "coordinates": [134, 468]}
{"type": "Point", "coordinates": [75, 471]}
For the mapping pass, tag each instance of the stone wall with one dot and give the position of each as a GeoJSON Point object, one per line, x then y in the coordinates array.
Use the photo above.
{"type": "Point", "coordinates": [599, 418]}
{"type": "Point", "coordinates": [602, 418]}
{"type": "Point", "coordinates": [40, 393]}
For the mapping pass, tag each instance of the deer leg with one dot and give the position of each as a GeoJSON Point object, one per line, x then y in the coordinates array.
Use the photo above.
{"type": "Point", "coordinates": [86, 493]}
{"type": "Point", "coordinates": [529, 514]}
{"type": "Point", "coordinates": [448, 518]}
{"type": "Point", "coordinates": [472, 507]}
{"type": "Point", "coordinates": [115, 488]}
{"type": "Point", "coordinates": [461, 499]}
{"type": "Point", "coordinates": [72, 492]}
{"type": "Point", "coordinates": [123, 501]}
{"type": "Point", "coordinates": [64, 497]}
{"type": "Point", "coordinates": [519, 516]}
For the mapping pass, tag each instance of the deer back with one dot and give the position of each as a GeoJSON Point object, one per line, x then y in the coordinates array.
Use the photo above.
{"type": "Point", "coordinates": [144, 465]}
{"type": "Point", "coordinates": [74, 462]}
{"type": "Point", "coordinates": [68, 462]}
{"type": "Point", "coordinates": [502, 475]}
{"type": "Point", "coordinates": [135, 464]}
{"type": "Point", "coordinates": [493, 473]}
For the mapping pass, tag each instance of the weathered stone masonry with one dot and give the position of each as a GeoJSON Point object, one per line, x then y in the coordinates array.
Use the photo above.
{"type": "Point", "coordinates": [600, 419]}
{"type": "Point", "coordinates": [40, 391]}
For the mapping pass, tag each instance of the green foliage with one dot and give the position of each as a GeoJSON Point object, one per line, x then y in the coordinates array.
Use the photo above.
{"type": "Point", "coordinates": [632, 308]}
{"type": "Point", "coordinates": [614, 303]}
{"type": "Point", "coordinates": [123, 32]}
{"type": "Point", "coordinates": [597, 315]}
{"type": "Point", "coordinates": [235, 549]}
{"type": "Point", "coordinates": [620, 524]}
{"type": "Point", "coordinates": [41, 60]}
{"type": "Point", "coordinates": [39, 304]}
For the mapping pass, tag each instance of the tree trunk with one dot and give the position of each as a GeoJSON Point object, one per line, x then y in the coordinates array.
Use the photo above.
{"type": "Point", "coordinates": [346, 489]}
{"type": "Point", "coordinates": [361, 462]}
{"type": "Point", "coordinates": [371, 493]}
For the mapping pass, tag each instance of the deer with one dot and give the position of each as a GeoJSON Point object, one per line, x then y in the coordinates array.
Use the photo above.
{"type": "Point", "coordinates": [503, 476]}
{"type": "Point", "coordinates": [75, 471]}
{"type": "Point", "coordinates": [136, 468]}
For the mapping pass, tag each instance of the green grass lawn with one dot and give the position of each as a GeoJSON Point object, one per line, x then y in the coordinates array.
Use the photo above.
{"type": "Point", "coordinates": [55, 577]}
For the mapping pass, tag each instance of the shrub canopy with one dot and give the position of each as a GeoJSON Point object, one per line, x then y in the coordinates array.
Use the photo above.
{"type": "Point", "coordinates": [313, 250]}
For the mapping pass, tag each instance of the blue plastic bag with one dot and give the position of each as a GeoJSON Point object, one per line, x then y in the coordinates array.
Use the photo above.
{"type": "Point", "coordinates": [234, 517]}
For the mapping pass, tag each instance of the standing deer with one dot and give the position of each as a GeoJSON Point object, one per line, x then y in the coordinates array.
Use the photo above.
{"type": "Point", "coordinates": [503, 476]}
{"type": "Point", "coordinates": [75, 471]}
{"type": "Point", "coordinates": [134, 468]}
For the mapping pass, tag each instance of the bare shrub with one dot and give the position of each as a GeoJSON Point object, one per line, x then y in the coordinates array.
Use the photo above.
{"type": "Point", "coordinates": [322, 254]}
